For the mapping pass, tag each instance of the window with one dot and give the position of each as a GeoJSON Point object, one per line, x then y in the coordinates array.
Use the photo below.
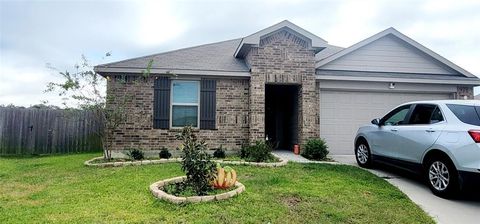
{"type": "Point", "coordinates": [185, 103]}
{"type": "Point", "coordinates": [396, 117]}
{"type": "Point", "coordinates": [466, 114]}
{"type": "Point", "coordinates": [426, 114]}
{"type": "Point", "coordinates": [436, 116]}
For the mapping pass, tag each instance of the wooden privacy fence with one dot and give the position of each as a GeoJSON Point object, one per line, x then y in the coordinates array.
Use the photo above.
{"type": "Point", "coordinates": [47, 131]}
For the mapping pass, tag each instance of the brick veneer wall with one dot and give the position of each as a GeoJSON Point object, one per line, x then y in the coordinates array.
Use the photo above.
{"type": "Point", "coordinates": [137, 132]}
{"type": "Point", "coordinates": [463, 91]}
{"type": "Point", "coordinates": [283, 58]}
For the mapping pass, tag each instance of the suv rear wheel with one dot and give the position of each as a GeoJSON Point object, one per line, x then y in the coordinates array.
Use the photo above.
{"type": "Point", "coordinates": [442, 177]}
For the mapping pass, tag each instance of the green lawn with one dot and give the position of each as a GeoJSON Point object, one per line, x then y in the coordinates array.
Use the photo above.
{"type": "Point", "coordinates": [60, 189]}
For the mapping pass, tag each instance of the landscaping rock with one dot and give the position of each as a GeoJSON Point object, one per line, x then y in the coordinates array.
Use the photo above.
{"type": "Point", "coordinates": [208, 198]}
{"type": "Point", "coordinates": [157, 190]}
{"type": "Point", "coordinates": [160, 184]}
{"type": "Point", "coordinates": [156, 161]}
{"type": "Point", "coordinates": [153, 187]}
{"type": "Point", "coordinates": [194, 199]}
{"type": "Point", "coordinates": [231, 193]}
{"type": "Point", "coordinates": [240, 189]}
{"type": "Point", "coordinates": [222, 196]}
{"type": "Point", "coordinates": [178, 200]}
{"type": "Point", "coordinates": [282, 162]}
{"type": "Point", "coordinates": [156, 193]}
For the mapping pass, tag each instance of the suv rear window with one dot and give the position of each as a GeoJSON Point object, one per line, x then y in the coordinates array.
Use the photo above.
{"type": "Point", "coordinates": [466, 114]}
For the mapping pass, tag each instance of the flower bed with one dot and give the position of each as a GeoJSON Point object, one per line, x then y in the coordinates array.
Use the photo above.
{"type": "Point", "coordinates": [94, 162]}
{"type": "Point", "coordinates": [157, 190]}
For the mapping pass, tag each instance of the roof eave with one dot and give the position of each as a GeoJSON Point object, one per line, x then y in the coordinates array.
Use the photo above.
{"type": "Point", "coordinates": [474, 82]}
{"type": "Point", "coordinates": [104, 71]}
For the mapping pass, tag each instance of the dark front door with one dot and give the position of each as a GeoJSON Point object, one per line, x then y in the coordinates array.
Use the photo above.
{"type": "Point", "coordinates": [281, 115]}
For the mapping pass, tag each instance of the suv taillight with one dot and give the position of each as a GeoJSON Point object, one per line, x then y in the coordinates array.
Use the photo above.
{"type": "Point", "coordinates": [475, 135]}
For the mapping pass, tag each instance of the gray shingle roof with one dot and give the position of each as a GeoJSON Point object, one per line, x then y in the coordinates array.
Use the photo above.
{"type": "Point", "coordinates": [213, 57]}
{"type": "Point", "coordinates": [327, 52]}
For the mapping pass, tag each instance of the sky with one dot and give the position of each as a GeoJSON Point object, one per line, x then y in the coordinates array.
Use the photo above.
{"type": "Point", "coordinates": [34, 33]}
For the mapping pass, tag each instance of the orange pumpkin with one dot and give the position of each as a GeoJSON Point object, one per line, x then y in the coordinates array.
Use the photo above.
{"type": "Point", "coordinates": [225, 177]}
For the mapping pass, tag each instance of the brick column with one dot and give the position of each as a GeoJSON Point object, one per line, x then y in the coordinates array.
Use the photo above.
{"type": "Point", "coordinates": [465, 91]}
{"type": "Point", "coordinates": [257, 107]}
{"type": "Point", "coordinates": [309, 108]}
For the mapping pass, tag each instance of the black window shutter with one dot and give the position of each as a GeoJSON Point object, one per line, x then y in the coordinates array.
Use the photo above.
{"type": "Point", "coordinates": [208, 103]}
{"type": "Point", "coordinates": [161, 103]}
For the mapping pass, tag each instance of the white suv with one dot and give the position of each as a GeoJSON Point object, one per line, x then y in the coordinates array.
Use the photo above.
{"type": "Point", "coordinates": [439, 139]}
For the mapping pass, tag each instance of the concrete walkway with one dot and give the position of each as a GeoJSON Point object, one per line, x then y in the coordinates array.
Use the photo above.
{"type": "Point", "coordinates": [464, 210]}
{"type": "Point", "coordinates": [290, 156]}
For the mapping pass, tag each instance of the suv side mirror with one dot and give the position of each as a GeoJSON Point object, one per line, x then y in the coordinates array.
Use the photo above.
{"type": "Point", "coordinates": [376, 122]}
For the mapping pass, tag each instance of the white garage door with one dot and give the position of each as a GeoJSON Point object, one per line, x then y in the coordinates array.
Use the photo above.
{"type": "Point", "coordinates": [342, 113]}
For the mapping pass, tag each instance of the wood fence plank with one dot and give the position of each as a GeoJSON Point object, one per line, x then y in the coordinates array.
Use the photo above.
{"type": "Point", "coordinates": [47, 131]}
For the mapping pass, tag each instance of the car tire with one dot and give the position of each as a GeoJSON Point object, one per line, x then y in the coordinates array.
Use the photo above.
{"type": "Point", "coordinates": [442, 177]}
{"type": "Point", "coordinates": [362, 154]}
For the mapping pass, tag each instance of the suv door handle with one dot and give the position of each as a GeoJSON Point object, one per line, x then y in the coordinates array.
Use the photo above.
{"type": "Point", "coordinates": [393, 129]}
{"type": "Point", "coordinates": [430, 130]}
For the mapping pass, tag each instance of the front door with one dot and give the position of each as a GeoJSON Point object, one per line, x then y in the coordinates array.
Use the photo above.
{"type": "Point", "coordinates": [281, 115]}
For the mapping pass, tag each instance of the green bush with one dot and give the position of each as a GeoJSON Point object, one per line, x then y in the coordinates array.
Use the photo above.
{"type": "Point", "coordinates": [258, 152]}
{"type": "Point", "coordinates": [135, 154]}
{"type": "Point", "coordinates": [315, 149]}
{"type": "Point", "coordinates": [164, 153]}
{"type": "Point", "coordinates": [196, 162]}
{"type": "Point", "coordinates": [219, 153]}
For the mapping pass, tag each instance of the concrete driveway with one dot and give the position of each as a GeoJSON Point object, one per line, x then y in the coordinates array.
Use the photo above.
{"type": "Point", "coordinates": [464, 210]}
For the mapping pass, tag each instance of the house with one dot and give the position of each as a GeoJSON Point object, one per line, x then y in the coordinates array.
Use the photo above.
{"type": "Point", "coordinates": [282, 83]}
{"type": "Point", "coordinates": [477, 97]}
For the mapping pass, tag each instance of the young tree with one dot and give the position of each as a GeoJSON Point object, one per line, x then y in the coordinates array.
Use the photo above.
{"type": "Point", "coordinates": [85, 89]}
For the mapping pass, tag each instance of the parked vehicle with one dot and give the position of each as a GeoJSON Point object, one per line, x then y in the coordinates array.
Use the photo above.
{"type": "Point", "coordinates": [438, 139]}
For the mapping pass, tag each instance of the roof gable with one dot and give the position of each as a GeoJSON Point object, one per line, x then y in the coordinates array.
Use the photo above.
{"type": "Point", "coordinates": [391, 51]}
{"type": "Point", "coordinates": [247, 42]}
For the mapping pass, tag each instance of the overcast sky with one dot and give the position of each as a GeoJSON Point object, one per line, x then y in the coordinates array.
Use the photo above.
{"type": "Point", "coordinates": [33, 33]}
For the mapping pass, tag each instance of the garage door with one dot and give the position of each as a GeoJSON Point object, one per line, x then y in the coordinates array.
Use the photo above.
{"type": "Point", "coordinates": [342, 113]}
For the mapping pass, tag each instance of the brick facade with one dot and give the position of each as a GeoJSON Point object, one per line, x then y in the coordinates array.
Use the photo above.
{"type": "Point", "coordinates": [283, 58]}
{"type": "Point", "coordinates": [463, 92]}
{"type": "Point", "coordinates": [137, 132]}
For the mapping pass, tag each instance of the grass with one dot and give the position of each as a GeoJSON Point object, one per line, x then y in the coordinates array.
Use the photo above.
{"type": "Point", "coordinates": [59, 189]}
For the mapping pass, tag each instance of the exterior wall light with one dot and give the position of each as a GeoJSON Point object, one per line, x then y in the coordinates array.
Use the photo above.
{"type": "Point", "coordinates": [392, 85]}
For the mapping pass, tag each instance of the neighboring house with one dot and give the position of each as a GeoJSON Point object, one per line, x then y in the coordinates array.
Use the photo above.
{"type": "Point", "coordinates": [282, 82]}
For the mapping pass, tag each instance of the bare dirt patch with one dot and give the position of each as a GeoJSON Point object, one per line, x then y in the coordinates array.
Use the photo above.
{"type": "Point", "coordinates": [291, 201]}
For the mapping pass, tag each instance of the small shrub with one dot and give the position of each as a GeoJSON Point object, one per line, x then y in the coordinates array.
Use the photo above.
{"type": "Point", "coordinates": [258, 152]}
{"type": "Point", "coordinates": [135, 154]}
{"type": "Point", "coordinates": [315, 149]}
{"type": "Point", "coordinates": [219, 153]}
{"type": "Point", "coordinates": [196, 162]}
{"type": "Point", "coordinates": [164, 153]}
